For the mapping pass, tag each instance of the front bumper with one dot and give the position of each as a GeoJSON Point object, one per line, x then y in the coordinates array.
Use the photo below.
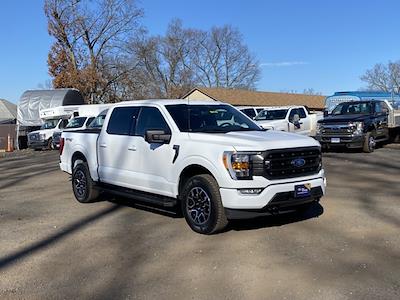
{"type": "Point", "coordinates": [349, 141]}
{"type": "Point", "coordinates": [274, 198]}
{"type": "Point", "coordinates": [37, 144]}
{"type": "Point", "coordinates": [56, 145]}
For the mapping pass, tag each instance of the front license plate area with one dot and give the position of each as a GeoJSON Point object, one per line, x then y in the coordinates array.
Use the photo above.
{"type": "Point", "coordinates": [335, 140]}
{"type": "Point", "coordinates": [302, 190]}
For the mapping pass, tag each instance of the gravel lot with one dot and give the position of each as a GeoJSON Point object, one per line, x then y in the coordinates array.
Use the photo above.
{"type": "Point", "coordinates": [346, 248]}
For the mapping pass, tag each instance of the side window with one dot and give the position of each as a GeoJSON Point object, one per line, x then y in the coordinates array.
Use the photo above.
{"type": "Point", "coordinates": [302, 113]}
{"type": "Point", "coordinates": [249, 112]}
{"type": "Point", "coordinates": [89, 120]}
{"type": "Point", "coordinates": [150, 118]}
{"type": "Point", "coordinates": [293, 112]}
{"type": "Point", "coordinates": [384, 107]}
{"type": "Point", "coordinates": [122, 120]}
{"type": "Point", "coordinates": [63, 123]}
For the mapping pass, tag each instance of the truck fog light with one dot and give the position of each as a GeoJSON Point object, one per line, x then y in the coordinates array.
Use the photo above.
{"type": "Point", "coordinates": [250, 191]}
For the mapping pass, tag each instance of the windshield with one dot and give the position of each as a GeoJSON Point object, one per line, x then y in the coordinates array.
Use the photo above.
{"type": "Point", "coordinates": [76, 122]}
{"type": "Point", "coordinates": [353, 108]}
{"type": "Point", "coordinates": [99, 120]}
{"type": "Point", "coordinates": [210, 118]}
{"type": "Point", "coordinates": [50, 124]}
{"type": "Point", "coordinates": [278, 114]}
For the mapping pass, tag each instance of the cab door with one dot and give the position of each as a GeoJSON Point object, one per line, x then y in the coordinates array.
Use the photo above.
{"type": "Point", "coordinates": [156, 159]}
{"type": "Point", "coordinates": [301, 125]}
{"type": "Point", "coordinates": [382, 115]}
{"type": "Point", "coordinates": [115, 152]}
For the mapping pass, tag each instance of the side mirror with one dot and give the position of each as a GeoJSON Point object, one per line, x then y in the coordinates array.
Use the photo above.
{"type": "Point", "coordinates": [157, 137]}
{"type": "Point", "coordinates": [296, 119]}
{"type": "Point", "coordinates": [326, 113]}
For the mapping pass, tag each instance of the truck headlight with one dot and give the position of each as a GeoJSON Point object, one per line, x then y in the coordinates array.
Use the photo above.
{"type": "Point", "coordinates": [237, 164]}
{"type": "Point", "coordinates": [42, 137]}
{"type": "Point", "coordinates": [358, 127]}
{"type": "Point", "coordinates": [319, 128]}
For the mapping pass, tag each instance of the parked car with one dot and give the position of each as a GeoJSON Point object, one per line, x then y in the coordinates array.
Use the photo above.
{"type": "Point", "coordinates": [296, 119]}
{"type": "Point", "coordinates": [74, 123]}
{"type": "Point", "coordinates": [208, 157]}
{"type": "Point", "coordinates": [357, 124]}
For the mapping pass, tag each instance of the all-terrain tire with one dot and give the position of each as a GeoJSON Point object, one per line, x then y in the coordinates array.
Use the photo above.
{"type": "Point", "coordinates": [82, 184]}
{"type": "Point", "coordinates": [202, 206]}
{"type": "Point", "coordinates": [369, 143]}
{"type": "Point", "coordinates": [50, 145]}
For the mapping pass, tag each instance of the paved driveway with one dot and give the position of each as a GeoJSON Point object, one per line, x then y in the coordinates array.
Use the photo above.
{"type": "Point", "coordinates": [346, 248]}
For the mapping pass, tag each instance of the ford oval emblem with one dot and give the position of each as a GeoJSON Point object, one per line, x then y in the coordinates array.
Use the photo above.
{"type": "Point", "coordinates": [298, 162]}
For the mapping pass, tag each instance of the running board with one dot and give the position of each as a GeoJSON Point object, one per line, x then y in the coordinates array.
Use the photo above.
{"type": "Point", "coordinates": [138, 195]}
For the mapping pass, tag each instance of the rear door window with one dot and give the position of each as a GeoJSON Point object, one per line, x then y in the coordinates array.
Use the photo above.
{"type": "Point", "coordinates": [122, 120]}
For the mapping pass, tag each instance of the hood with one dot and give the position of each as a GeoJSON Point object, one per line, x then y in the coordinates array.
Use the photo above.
{"type": "Point", "coordinates": [256, 140]}
{"type": "Point", "coordinates": [42, 131]}
{"type": "Point", "coordinates": [343, 118]}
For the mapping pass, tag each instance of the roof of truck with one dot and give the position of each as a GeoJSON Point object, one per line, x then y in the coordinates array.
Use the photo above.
{"type": "Point", "coordinates": [282, 107]}
{"type": "Point", "coordinates": [168, 102]}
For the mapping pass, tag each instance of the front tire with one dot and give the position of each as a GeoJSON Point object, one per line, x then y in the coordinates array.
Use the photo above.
{"type": "Point", "coordinates": [50, 145]}
{"type": "Point", "coordinates": [369, 143]}
{"type": "Point", "coordinates": [83, 185]}
{"type": "Point", "coordinates": [202, 206]}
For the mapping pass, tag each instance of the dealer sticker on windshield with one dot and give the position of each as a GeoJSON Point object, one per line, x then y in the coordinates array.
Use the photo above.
{"type": "Point", "coordinates": [303, 190]}
{"type": "Point", "coordinates": [335, 140]}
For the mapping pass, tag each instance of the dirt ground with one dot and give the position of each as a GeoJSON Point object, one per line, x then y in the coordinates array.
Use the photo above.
{"type": "Point", "coordinates": [348, 247]}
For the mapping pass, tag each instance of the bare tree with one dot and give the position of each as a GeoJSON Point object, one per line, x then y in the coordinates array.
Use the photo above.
{"type": "Point", "coordinates": [221, 59]}
{"type": "Point", "coordinates": [184, 58]}
{"type": "Point", "coordinates": [383, 77]}
{"type": "Point", "coordinates": [311, 91]}
{"type": "Point", "coordinates": [164, 62]}
{"type": "Point", "coordinates": [88, 38]}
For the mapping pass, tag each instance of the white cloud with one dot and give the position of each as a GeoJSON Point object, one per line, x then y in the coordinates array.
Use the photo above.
{"type": "Point", "coordinates": [283, 64]}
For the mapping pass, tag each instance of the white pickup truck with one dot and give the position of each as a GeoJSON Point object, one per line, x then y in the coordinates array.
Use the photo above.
{"type": "Point", "coordinates": [208, 157]}
{"type": "Point", "coordinates": [296, 119]}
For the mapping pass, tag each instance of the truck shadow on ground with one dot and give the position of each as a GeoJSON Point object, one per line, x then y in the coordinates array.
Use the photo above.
{"type": "Point", "coordinates": [51, 240]}
{"type": "Point", "coordinates": [314, 211]}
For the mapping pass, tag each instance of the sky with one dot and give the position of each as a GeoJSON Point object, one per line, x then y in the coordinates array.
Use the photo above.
{"type": "Point", "coordinates": [303, 44]}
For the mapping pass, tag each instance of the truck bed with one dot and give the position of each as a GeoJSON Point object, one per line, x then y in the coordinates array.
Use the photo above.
{"type": "Point", "coordinates": [396, 118]}
{"type": "Point", "coordinates": [84, 141]}
{"type": "Point", "coordinates": [87, 130]}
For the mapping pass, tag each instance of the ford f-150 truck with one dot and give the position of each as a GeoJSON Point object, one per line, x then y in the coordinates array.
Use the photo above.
{"type": "Point", "coordinates": [208, 157]}
{"type": "Point", "coordinates": [358, 124]}
{"type": "Point", "coordinates": [296, 119]}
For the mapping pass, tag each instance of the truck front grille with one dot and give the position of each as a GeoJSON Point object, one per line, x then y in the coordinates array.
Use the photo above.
{"type": "Point", "coordinates": [287, 163]}
{"type": "Point", "coordinates": [336, 130]}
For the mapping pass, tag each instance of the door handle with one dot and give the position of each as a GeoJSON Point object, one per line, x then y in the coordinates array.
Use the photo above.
{"type": "Point", "coordinates": [132, 148]}
{"type": "Point", "coordinates": [103, 145]}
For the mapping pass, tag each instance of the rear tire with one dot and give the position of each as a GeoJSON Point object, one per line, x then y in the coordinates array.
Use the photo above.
{"type": "Point", "coordinates": [202, 206]}
{"type": "Point", "coordinates": [82, 184]}
{"type": "Point", "coordinates": [369, 143]}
